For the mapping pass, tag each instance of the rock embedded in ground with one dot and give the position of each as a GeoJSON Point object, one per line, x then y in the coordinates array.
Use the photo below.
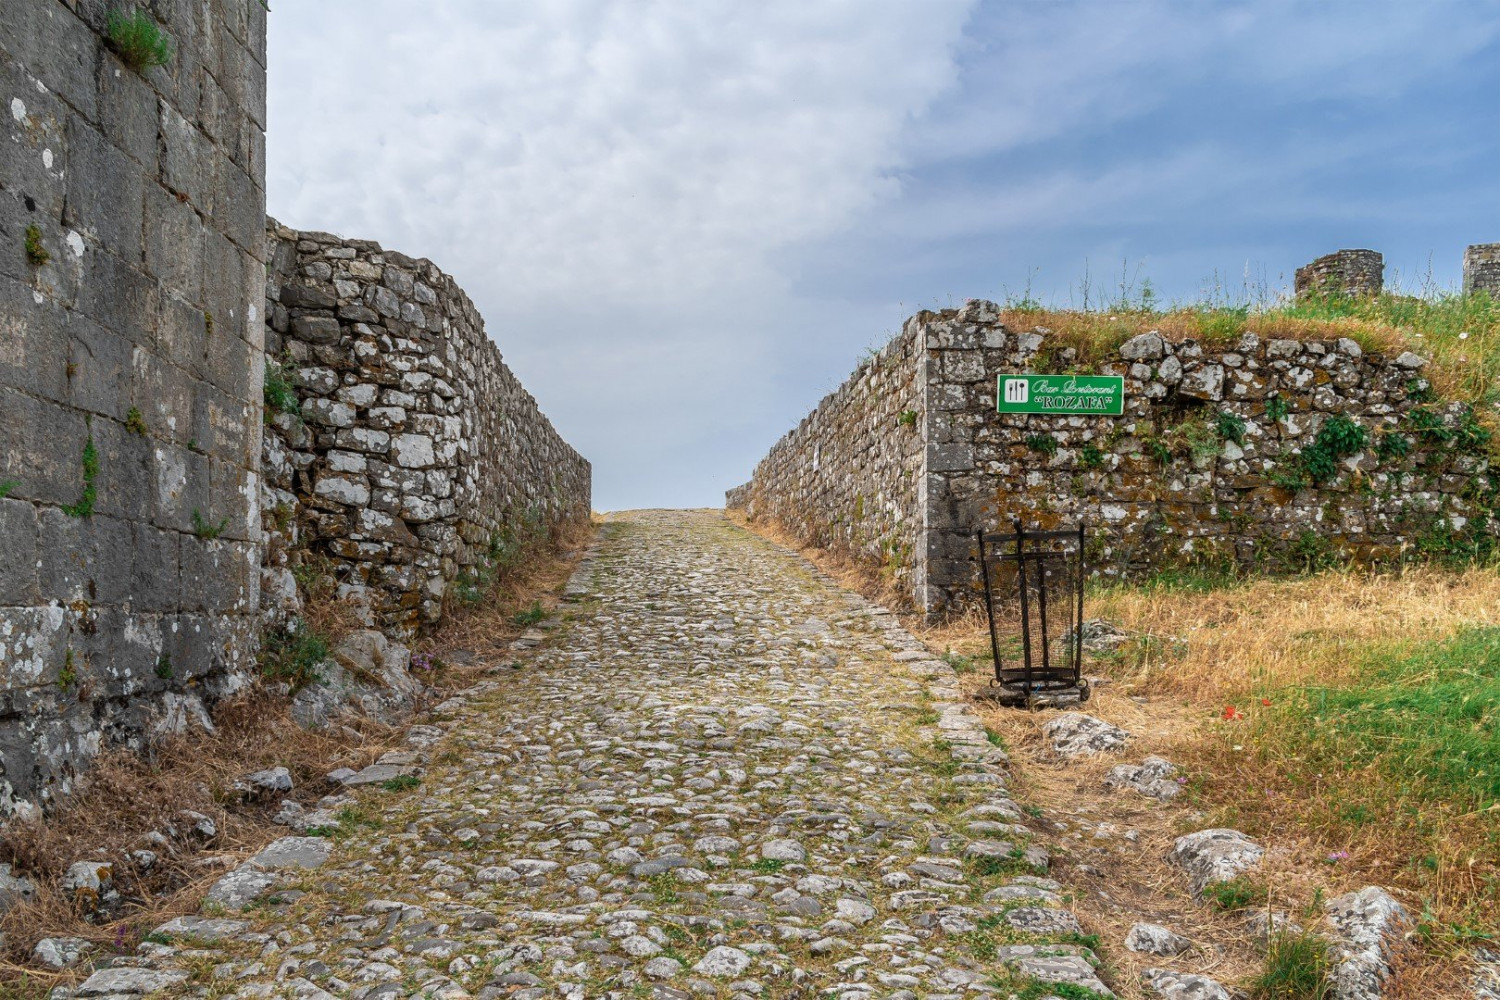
{"type": "Point", "coordinates": [723, 962]}
{"type": "Point", "coordinates": [1074, 734]}
{"type": "Point", "coordinates": [271, 781]}
{"type": "Point", "coordinates": [375, 774]}
{"type": "Point", "coordinates": [117, 982]}
{"type": "Point", "coordinates": [1486, 974]}
{"type": "Point", "coordinates": [14, 888]}
{"type": "Point", "coordinates": [1368, 927]}
{"type": "Point", "coordinates": [1155, 776]}
{"type": "Point", "coordinates": [62, 952]}
{"type": "Point", "coordinates": [1217, 855]}
{"type": "Point", "coordinates": [1173, 985]}
{"type": "Point", "coordinates": [1154, 939]}
{"type": "Point", "coordinates": [292, 852]}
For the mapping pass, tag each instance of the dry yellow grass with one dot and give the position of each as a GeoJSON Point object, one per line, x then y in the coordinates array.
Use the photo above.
{"type": "Point", "coordinates": [1204, 649]}
{"type": "Point", "coordinates": [1279, 632]}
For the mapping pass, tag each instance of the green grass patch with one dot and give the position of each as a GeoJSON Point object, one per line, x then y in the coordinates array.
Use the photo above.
{"type": "Point", "coordinates": [1296, 969]}
{"type": "Point", "coordinates": [140, 42]}
{"type": "Point", "coordinates": [1426, 720]}
{"type": "Point", "coordinates": [1014, 863]}
{"type": "Point", "coordinates": [279, 393]}
{"type": "Point", "coordinates": [530, 616]}
{"type": "Point", "coordinates": [8, 486]}
{"type": "Point", "coordinates": [207, 529]}
{"type": "Point", "coordinates": [90, 495]}
{"type": "Point", "coordinates": [1234, 893]}
{"type": "Point", "coordinates": [293, 654]}
{"type": "Point", "coordinates": [768, 866]}
{"type": "Point", "coordinates": [401, 783]}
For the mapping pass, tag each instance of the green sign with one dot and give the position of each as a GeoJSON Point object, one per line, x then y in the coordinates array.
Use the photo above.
{"type": "Point", "coordinates": [1098, 395]}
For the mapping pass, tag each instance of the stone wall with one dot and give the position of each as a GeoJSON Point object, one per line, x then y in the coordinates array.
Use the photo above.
{"type": "Point", "coordinates": [848, 478]}
{"type": "Point", "coordinates": [131, 236]}
{"type": "Point", "coordinates": [1265, 453]}
{"type": "Point", "coordinates": [1353, 273]}
{"type": "Point", "coordinates": [1482, 269]}
{"type": "Point", "coordinates": [414, 458]}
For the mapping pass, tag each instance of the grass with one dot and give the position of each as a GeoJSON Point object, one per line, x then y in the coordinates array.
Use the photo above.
{"type": "Point", "coordinates": [125, 794]}
{"type": "Point", "coordinates": [401, 783]}
{"type": "Point", "coordinates": [36, 254]}
{"type": "Point", "coordinates": [1234, 893]}
{"type": "Point", "coordinates": [135, 422]}
{"type": "Point", "coordinates": [206, 529]}
{"type": "Point", "coordinates": [1296, 969]}
{"type": "Point", "coordinates": [279, 393]}
{"type": "Point", "coordinates": [90, 495]}
{"type": "Point", "coordinates": [530, 616]}
{"type": "Point", "coordinates": [293, 654]}
{"type": "Point", "coordinates": [7, 487]}
{"type": "Point", "coordinates": [1365, 723]}
{"type": "Point", "coordinates": [1460, 333]}
{"type": "Point", "coordinates": [139, 41]}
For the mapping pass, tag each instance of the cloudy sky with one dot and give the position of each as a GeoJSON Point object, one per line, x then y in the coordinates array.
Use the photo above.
{"type": "Point", "coordinates": [685, 220]}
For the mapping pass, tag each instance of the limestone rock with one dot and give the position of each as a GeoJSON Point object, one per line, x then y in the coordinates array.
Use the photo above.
{"type": "Point", "coordinates": [1073, 734]}
{"type": "Point", "coordinates": [1154, 939]}
{"type": "Point", "coordinates": [1368, 927]}
{"type": "Point", "coordinates": [204, 929]}
{"type": "Point", "coordinates": [127, 981]}
{"type": "Point", "coordinates": [368, 673]}
{"type": "Point", "coordinates": [14, 888]}
{"type": "Point", "coordinates": [1174, 985]}
{"type": "Point", "coordinates": [1144, 347]}
{"type": "Point", "coordinates": [1155, 776]}
{"type": "Point", "coordinates": [62, 952]}
{"type": "Point", "coordinates": [268, 782]}
{"type": "Point", "coordinates": [722, 962]}
{"type": "Point", "coordinates": [1218, 855]}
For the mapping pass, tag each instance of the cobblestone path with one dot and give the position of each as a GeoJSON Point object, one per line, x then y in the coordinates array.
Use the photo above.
{"type": "Point", "coordinates": [720, 775]}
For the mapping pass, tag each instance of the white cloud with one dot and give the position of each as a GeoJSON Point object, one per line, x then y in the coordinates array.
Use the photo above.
{"type": "Point", "coordinates": [640, 152]}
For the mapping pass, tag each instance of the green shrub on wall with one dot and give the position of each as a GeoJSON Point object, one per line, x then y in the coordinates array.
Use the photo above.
{"type": "Point", "coordinates": [137, 39]}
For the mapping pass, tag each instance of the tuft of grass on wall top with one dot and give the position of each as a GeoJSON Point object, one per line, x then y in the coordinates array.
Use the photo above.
{"type": "Point", "coordinates": [138, 40]}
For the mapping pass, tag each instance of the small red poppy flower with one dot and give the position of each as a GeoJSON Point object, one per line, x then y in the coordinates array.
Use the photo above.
{"type": "Point", "coordinates": [1231, 713]}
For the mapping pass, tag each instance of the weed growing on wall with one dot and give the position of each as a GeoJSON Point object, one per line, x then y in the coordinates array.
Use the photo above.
{"type": "Point", "coordinates": [1045, 444]}
{"type": "Point", "coordinates": [68, 675]}
{"type": "Point", "coordinates": [1338, 438]}
{"type": "Point", "coordinates": [135, 423]}
{"type": "Point", "coordinates": [86, 500]}
{"type": "Point", "coordinates": [207, 529]}
{"type": "Point", "coordinates": [1091, 456]}
{"type": "Point", "coordinates": [164, 666]}
{"type": "Point", "coordinates": [1392, 446]}
{"type": "Point", "coordinates": [279, 392]}
{"type": "Point", "coordinates": [36, 254]}
{"type": "Point", "coordinates": [137, 39]}
{"type": "Point", "coordinates": [1230, 426]}
{"type": "Point", "coordinates": [7, 486]}
{"type": "Point", "coordinates": [293, 654]}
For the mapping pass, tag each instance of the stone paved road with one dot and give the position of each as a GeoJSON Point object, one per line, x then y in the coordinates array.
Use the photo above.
{"type": "Point", "coordinates": [719, 776]}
